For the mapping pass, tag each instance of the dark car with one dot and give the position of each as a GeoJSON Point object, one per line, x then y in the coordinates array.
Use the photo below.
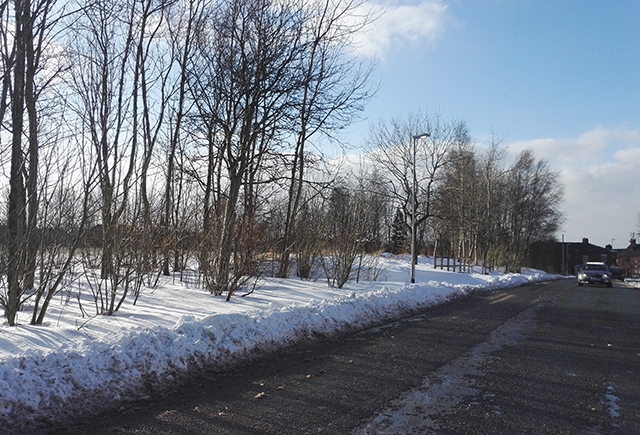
{"type": "Point", "coordinates": [594, 273]}
{"type": "Point", "coordinates": [617, 272]}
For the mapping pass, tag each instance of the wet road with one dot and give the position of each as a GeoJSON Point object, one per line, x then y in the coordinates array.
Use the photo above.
{"type": "Point", "coordinates": [547, 358]}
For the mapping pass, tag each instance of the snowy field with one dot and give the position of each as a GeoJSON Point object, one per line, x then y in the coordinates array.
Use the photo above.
{"type": "Point", "coordinates": [76, 364]}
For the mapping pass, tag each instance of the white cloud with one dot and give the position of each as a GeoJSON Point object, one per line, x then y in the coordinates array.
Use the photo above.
{"type": "Point", "coordinates": [598, 171]}
{"type": "Point", "coordinates": [398, 24]}
{"type": "Point", "coordinates": [629, 156]}
{"type": "Point", "coordinates": [601, 203]}
{"type": "Point", "coordinates": [595, 147]}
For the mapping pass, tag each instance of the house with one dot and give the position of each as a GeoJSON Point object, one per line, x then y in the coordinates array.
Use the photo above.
{"type": "Point", "coordinates": [629, 259]}
{"type": "Point", "coordinates": [548, 256]}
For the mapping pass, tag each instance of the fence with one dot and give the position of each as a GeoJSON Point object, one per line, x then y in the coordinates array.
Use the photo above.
{"type": "Point", "coordinates": [464, 265]}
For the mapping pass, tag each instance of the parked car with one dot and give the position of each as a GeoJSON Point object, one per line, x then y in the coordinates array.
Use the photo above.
{"type": "Point", "coordinates": [594, 273]}
{"type": "Point", "coordinates": [617, 272]}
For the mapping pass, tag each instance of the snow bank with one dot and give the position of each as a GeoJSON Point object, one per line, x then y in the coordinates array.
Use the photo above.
{"type": "Point", "coordinates": [56, 372]}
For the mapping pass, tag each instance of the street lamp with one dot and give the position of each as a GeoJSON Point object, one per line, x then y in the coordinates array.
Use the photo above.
{"type": "Point", "coordinates": [413, 208]}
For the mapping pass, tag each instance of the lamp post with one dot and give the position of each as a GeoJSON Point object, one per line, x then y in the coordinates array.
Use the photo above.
{"type": "Point", "coordinates": [564, 271]}
{"type": "Point", "coordinates": [413, 207]}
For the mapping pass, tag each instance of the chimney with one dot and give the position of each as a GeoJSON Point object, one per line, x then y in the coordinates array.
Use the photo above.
{"type": "Point", "coordinates": [585, 241]}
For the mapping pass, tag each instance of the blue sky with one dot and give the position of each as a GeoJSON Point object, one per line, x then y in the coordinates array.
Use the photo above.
{"type": "Point", "coordinates": [559, 77]}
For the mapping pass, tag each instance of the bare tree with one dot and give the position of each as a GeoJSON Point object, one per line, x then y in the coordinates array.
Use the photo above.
{"type": "Point", "coordinates": [491, 198]}
{"type": "Point", "coordinates": [64, 216]}
{"type": "Point", "coordinates": [251, 49]}
{"type": "Point", "coordinates": [457, 207]}
{"type": "Point", "coordinates": [184, 21]}
{"type": "Point", "coordinates": [26, 36]}
{"type": "Point", "coordinates": [17, 209]}
{"type": "Point", "coordinates": [391, 148]}
{"type": "Point", "coordinates": [308, 248]}
{"type": "Point", "coordinates": [491, 213]}
{"type": "Point", "coordinates": [531, 213]}
{"type": "Point", "coordinates": [103, 55]}
{"type": "Point", "coordinates": [353, 218]}
{"type": "Point", "coordinates": [333, 89]}
{"type": "Point", "coordinates": [343, 235]}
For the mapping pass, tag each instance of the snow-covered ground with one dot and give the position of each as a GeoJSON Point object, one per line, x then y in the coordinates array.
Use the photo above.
{"type": "Point", "coordinates": [74, 364]}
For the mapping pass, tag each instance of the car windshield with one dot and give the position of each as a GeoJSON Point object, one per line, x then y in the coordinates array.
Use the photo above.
{"type": "Point", "coordinates": [594, 267]}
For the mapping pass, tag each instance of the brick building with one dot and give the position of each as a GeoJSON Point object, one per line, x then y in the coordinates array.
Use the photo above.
{"type": "Point", "coordinates": [629, 259]}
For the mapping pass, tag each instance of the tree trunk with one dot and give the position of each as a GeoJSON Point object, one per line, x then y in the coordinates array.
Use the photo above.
{"type": "Point", "coordinates": [16, 214]}
{"type": "Point", "coordinates": [32, 177]}
{"type": "Point", "coordinates": [223, 257]}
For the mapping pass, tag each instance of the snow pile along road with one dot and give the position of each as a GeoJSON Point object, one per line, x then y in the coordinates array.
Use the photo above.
{"type": "Point", "coordinates": [54, 373]}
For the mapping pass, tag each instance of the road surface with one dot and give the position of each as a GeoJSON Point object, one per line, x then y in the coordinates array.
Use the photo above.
{"type": "Point", "coordinates": [539, 359]}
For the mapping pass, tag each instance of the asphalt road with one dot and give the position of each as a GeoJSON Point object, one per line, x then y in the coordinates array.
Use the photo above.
{"type": "Point", "coordinates": [550, 358]}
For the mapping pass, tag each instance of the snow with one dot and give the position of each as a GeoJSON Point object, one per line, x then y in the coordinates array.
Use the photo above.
{"type": "Point", "coordinates": [612, 401]}
{"type": "Point", "coordinates": [74, 364]}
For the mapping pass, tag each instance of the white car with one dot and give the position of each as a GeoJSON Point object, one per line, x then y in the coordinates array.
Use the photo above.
{"type": "Point", "coordinates": [595, 273]}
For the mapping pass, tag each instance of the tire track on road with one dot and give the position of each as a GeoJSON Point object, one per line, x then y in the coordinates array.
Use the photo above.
{"type": "Point", "coordinates": [415, 410]}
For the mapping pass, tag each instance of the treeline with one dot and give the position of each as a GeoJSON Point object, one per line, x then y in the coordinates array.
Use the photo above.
{"type": "Point", "coordinates": [141, 137]}
{"type": "Point", "coordinates": [470, 201]}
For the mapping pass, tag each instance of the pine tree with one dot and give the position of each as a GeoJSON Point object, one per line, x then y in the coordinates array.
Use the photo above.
{"type": "Point", "coordinates": [399, 232]}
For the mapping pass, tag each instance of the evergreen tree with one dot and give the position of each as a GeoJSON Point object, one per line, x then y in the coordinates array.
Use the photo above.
{"type": "Point", "coordinates": [399, 232]}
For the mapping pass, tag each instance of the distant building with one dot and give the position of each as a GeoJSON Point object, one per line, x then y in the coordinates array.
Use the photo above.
{"type": "Point", "coordinates": [629, 259]}
{"type": "Point", "coordinates": [548, 256]}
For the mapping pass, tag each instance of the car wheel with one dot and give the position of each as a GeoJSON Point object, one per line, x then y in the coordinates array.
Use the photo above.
{"type": "Point", "coordinates": [609, 284]}
{"type": "Point", "coordinates": [580, 284]}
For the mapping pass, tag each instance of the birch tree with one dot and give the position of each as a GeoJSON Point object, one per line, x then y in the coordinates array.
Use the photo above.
{"type": "Point", "coordinates": [531, 214]}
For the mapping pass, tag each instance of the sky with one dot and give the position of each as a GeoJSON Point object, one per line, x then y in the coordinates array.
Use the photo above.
{"type": "Point", "coordinates": [78, 361]}
{"type": "Point", "coordinates": [559, 77]}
